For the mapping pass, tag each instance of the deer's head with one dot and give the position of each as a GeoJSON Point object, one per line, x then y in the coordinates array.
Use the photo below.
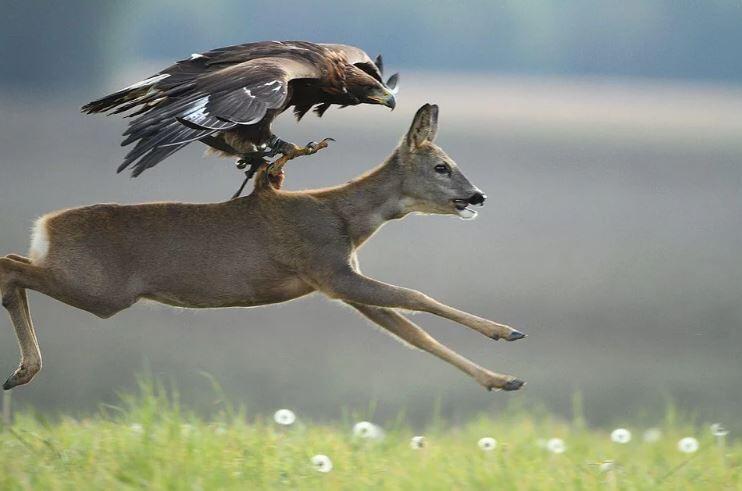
{"type": "Point", "coordinates": [431, 180]}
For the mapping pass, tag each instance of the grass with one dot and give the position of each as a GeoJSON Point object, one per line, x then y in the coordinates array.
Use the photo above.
{"type": "Point", "coordinates": [150, 442]}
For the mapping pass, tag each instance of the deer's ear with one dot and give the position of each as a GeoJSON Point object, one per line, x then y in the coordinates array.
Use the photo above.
{"type": "Point", "coordinates": [424, 126]}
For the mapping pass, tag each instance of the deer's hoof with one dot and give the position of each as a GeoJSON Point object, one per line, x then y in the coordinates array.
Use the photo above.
{"type": "Point", "coordinates": [511, 336]}
{"type": "Point", "coordinates": [21, 376]}
{"type": "Point", "coordinates": [515, 335]}
{"type": "Point", "coordinates": [513, 384]}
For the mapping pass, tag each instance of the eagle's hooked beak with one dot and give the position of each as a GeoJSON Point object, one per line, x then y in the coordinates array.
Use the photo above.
{"type": "Point", "coordinates": [385, 97]}
{"type": "Point", "coordinates": [391, 101]}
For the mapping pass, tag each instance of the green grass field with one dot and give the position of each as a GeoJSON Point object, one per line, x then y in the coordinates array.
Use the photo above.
{"type": "Point", "coordinates": [149, 442]}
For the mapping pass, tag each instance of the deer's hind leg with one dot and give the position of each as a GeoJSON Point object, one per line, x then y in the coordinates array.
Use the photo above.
{"type": "Point", "coordinates": [15, 300]}
{"type": "Point", "coordinates": [22, 291]}
{"type": "Point", "coordinates": [413, 334]}
{"type": "Point", "coordinates": [17, 274]}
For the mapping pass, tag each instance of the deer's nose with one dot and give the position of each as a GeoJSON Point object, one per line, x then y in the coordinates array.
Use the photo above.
{"type": "Point", "coordinates": [477, 199]}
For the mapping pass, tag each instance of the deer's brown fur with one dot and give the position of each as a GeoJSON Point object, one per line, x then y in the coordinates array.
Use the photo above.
{"type": "Point", "coordinates": [269, 247]}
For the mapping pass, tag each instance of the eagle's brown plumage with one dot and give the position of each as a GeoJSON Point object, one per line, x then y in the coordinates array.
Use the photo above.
{"type": "Point", "coordinates": [230, 96]}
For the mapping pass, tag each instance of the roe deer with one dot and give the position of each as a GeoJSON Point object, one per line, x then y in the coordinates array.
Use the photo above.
{"type": "Point", "coordinates": [269, 247]}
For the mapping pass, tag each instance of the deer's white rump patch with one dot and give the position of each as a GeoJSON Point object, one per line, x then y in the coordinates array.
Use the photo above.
{"type": "Point", "coordinates": [39, 241]}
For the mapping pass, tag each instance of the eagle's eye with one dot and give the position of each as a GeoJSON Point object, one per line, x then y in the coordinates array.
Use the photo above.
{"type": "Point", "coordinates": [443, 169]}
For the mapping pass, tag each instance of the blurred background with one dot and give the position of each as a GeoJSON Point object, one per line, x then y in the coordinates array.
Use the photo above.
{"type": "Point", "coordinates": [606, 134]}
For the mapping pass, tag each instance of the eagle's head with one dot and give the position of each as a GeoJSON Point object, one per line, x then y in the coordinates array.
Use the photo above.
{"type": "Point", "coordinates": [365, 89]}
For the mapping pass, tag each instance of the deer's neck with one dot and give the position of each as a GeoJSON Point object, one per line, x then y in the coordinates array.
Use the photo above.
{"type": "Point", "coordinates": [371, 200]}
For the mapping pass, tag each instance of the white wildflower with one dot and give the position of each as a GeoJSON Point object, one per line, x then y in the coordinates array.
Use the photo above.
{"type": "Point", "coordinates": [365, 429]}
{"type": "Point", "coordinates": [487, 443]}
{"type": "Point", "coordinates": [284, 417]}
{"type": "Point", "coordinates": [621, 435]}
{"type": "Point", "coordinates": [322, 463]}
{"type": "Point", "coordinates": [688, 444]}
{"type": "Point", "coordinates": [718, 430]}
{"type": "Point", "coordinates": [556, 445]}
{"type": "Point", "coordinates": [417, 442]}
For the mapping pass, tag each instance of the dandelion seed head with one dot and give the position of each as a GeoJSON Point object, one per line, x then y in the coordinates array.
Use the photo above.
{"type": "Point", "coordinates": [652, 435]}
{"type": "Point", "coordinates": [322, 463]}
{"type": "Point", "coordinates": [136, 428]}
{"type": "Point", "coordinates": [367, 430]}
{"type": "Point", "coordinates": [688, 444]}
{"type": "Point", "coordinates": [718, 430]}
{"type": "Point", "coordinates": [556, 445]}
{"type": "Point", "coordinates": [417, 442]}
{"type": "Point", "coordinates": [487, 443]}
{"type": "Point", "coordinates": [606, 466]}
{"type": "Point", "coordinates": [284, 417]}
{"type": "Point", "coordinates": [621, 435]}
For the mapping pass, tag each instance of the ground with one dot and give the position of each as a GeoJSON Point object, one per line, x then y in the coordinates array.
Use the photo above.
{"type": "Point", "coordinates": [149, 442]}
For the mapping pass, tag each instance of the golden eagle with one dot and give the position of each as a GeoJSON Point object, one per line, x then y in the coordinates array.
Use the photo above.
{"type": "Point", "coordinates": [228, 97]}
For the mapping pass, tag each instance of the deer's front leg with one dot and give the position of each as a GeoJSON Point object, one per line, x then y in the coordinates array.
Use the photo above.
{"type": "Point", "coordinates": [350, 286]}
{"type": "Point", "coordinates": [416, 336]}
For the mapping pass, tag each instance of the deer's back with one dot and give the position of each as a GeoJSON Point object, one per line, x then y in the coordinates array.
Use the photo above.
{"type": "Point", "coordinates": [257, 238]}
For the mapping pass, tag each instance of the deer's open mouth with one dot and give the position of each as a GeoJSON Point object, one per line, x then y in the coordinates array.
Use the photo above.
{"type": "Point", "coordinates": [463, 209]}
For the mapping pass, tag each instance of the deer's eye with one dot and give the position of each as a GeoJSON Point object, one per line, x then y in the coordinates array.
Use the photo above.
{"type": "Point", "coordinates": [443, 169]}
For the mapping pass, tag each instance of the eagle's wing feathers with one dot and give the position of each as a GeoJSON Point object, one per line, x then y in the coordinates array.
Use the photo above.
{"type": "Point", "coordinates": [243, 93]}
{"type": "Point", "coordinates": [197, 97]}
{"type": "Point", "coordinates": [221, 89]}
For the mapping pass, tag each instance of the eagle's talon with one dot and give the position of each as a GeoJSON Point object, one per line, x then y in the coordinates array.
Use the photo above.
{"type": "Point", "coordinates": [271, 152]}
{"type": "Point", "coordinates": [314, 147]}
{"type": "Point", "coordinates": [280, 146]}
{"type": "Point", "coordinates": [242, 164]}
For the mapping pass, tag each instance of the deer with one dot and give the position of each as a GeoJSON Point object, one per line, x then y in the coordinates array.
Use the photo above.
{"type": "Point", "coordinates": [269, 247]}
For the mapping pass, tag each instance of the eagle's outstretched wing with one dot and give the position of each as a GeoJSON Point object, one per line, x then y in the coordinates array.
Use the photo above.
{"type": "Point", "coordinates": [209, 92]}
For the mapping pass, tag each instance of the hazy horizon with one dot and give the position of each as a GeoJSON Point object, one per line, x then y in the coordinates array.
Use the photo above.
{"type": "Point", "coordinates": [611, 236]}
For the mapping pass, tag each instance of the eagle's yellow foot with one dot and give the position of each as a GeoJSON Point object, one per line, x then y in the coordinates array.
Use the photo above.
{"type": "Point", "coordinates": [314, 147]}
{"type": "Point", "coordinates": [275, 168]}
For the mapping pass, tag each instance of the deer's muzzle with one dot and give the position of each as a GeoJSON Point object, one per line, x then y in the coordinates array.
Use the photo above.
{"type": "Point", "coordinates": [477, 198]}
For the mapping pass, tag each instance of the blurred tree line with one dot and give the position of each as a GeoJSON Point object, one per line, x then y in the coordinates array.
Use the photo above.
{"type": "Point", "coordinates": [77, 43]}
